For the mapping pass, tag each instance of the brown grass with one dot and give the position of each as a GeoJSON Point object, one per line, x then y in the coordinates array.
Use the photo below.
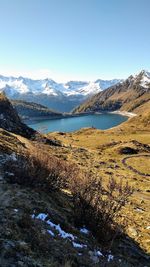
{"type": "Point", "coordinates": [98, 206]}
{"type": "Point", "coordinates": [37, 169]}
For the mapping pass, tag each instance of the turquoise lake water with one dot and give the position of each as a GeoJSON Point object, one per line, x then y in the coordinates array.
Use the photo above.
{"type": "Point", "coordinates": [99, 121]}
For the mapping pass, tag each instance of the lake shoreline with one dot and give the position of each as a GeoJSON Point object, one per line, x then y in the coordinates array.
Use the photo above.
{"type": "Point", "coordinates": [124, 113]}
{"type": "Point", "coordinates": [75, 122]}
{"type": "Point", "coordinates": [33, 120]}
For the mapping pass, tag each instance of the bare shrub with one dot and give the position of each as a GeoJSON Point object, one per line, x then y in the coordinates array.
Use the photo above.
{"type": "Point", "coordinates": [39, 169]}
{"type": "Point", "coordinates": [99, 205]}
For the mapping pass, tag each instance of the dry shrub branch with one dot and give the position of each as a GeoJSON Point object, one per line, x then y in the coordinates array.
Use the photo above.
{"type": "Point", "coordinates": [39, 169]}
{"type": "Point", "coordinates": [99, 206]}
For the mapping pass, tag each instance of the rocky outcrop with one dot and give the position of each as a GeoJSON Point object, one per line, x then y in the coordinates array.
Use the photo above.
{"type": "Point", "coordinates": [9, 119]}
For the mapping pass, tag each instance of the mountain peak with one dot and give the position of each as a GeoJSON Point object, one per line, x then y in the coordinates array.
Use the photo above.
{"type": "Point", "coordinates": [144, 78]}
{"type": "Point", "coordinates": [128, 95]}
{"type": "Point", "coordinates": [62, 96]}
{"type": "Point", "coordinates": [145, 72]}
{"type": "Point", "coordinates": [23, 85]}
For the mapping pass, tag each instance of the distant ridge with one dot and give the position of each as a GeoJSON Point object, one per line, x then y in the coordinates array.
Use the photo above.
{"type": "Point", "coordinates": [30, 109]}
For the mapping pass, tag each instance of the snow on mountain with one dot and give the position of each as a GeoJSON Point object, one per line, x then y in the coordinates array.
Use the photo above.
{"type": "Point", "coordinates": [21, 85]}
{"type": "Point", "coordinates": [145, 81]}
{"type": "Point", "coordinates": [88, 88]}
{"type": "Point", "coordinates": [24, 85]}
{"type": "Point", "coordinates": [104, 84]}
{"type": "Point", "coordinates": [58, 96]}
{"type": "Point", "coordinates": [91, 88]}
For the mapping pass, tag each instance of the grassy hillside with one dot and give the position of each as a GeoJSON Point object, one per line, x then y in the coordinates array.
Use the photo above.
{"type": "Point", "coordinates": [122, 152]}
{"type": "Point", "coordinates": [59, 202]}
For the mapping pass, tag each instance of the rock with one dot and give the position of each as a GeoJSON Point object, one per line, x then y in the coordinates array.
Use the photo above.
{"type": "Point", "coordinates": [128, 150]}
{"type": "Point", "coordinates": [132, 231]}
{"type": "Point", "coordinates": [20, 264]}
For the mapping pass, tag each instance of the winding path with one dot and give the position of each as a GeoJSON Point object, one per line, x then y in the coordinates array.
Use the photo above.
{"type": "Point", "coordinates": [124, 162]}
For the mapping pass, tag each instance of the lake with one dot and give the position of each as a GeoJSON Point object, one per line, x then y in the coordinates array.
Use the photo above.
{"type": "Point", "coordinates": [99, 121]}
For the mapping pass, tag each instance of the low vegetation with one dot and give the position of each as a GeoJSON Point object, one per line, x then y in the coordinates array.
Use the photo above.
{"type": "Point", "coordinates": [98, 205]}
{"type": "Point", "coordinates": [75, 181]}
{"type": "Point", "coordinates": [103, 153]}
{"type": "Point", "coordinates": [38, 169]}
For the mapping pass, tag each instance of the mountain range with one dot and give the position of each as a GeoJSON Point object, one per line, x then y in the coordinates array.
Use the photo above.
{"type": "Point", "coordinates": [60, 96]}
{"type": "Point", "coordinates": [132, 95]}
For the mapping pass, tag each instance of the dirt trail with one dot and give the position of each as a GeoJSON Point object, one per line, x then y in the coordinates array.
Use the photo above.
{"type": "Point", "coordinates": [124, 162]}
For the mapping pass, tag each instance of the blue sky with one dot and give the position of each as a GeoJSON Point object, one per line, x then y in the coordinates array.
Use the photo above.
{"type": "Point", "coordinates": [74, 39]}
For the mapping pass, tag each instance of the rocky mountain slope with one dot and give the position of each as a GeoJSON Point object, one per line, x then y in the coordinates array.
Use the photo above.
{"type": "Point", "coordinates": [41, 225]}
{"type": "Point", "coordinates": [132, 95]}
{"type": "Point", "coordinates": [58, 96]}
{"type": "Point", "coordinates": [9, 119]}
{"type": "Point", "coordinates": [30, 110]}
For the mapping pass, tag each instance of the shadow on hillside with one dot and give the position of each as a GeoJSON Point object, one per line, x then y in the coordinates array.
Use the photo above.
{"type": "Point", "coordinates": [131, 251]}
{"type": "Point", "coordinates": [42, 199]}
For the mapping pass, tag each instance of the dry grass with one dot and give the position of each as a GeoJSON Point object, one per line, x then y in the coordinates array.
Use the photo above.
{"type": "Point", "coordinates": [141, 164]}
{"type": "Point", "coordinates": [98, 205]}
{"type": "Point", "coordinates": [38, 169]}
{"type": "Point", "coordinates": [100, 155]}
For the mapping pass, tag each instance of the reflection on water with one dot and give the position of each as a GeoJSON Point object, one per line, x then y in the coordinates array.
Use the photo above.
{"type": "Point", "coordinates": [99, 121]}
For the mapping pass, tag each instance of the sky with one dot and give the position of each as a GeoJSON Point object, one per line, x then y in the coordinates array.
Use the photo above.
{"type": "Point", "coordinates": [74, 39]}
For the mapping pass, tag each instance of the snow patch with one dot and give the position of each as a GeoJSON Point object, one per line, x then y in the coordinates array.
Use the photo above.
{"type": "Point", "coordinates": [16, 210]}
{"type": "Point", "coordinates": [99, 254]}
{"type": "Point", "coordinates": [145, 81]}
{"type": "Point", "coordinates": [95, 255]}
{"type": "Point", "coordinates": [50, 232]}
{"type": "Point", "coordinates": [40, 216]}
{"type": "Point", "coordinates": [77, 245]}
{"type": "Point", "coordinates": [110, 257]}
{"type": "Point", "coordinates": [1, 116]}
{"type": "Point", "coordinates": [84, 231]}
{"type": "Point", "coordinates": [10, 173]}
{"type": "Point", "coordinates": [13, 156]}
{"type": "Point", "coordinates": [57, 227]}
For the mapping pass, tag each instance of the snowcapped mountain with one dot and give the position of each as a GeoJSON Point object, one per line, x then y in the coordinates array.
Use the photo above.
{"type": "Point", "coordinates": [132, 95]}
{"type": "Point", "coordinates": [145, 79]}
{"type": "Point", "coordinates": [61, 96]}
{"type": "Point", "coordinates": [23, 85]}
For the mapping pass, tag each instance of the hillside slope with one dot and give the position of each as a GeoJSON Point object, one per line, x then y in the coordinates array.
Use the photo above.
{"type": "Point", "coordinates": [132, 95]}
{"type": "Point", "coordinates": [9, 119]}
{"type": "Point", "coordinates": [39, 220]}
{"type": "Point", "coordinates": [30, 109]}
{"type": "Point", "coordinates": [122, 152]}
